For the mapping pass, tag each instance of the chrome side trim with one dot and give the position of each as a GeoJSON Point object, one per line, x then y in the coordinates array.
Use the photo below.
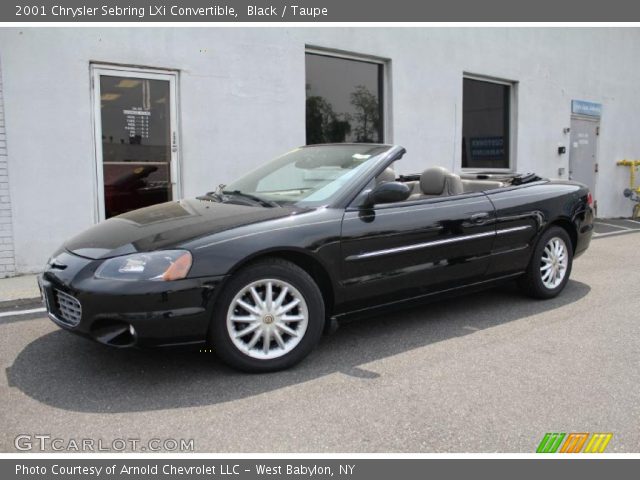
{"type": "Point", "coordinates": [513, 229]}
{"type": "Point", "coordinates": [435, 243]}
{"type": "Point", "coordinates": [418, 246]}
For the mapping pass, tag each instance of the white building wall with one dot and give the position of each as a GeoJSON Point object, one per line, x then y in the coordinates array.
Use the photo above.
{"type": "Point", "coordinates": [242, 101]}
{"type": "Point", "coordinates": [7, 263]}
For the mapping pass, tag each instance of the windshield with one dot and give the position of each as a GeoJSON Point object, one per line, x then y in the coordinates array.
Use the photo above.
{"type": "Point", "coordinates": [307, 175]}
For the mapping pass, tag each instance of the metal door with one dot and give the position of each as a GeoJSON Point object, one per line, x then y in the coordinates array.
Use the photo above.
{"type": "Point", "coordinates": [583, 161]}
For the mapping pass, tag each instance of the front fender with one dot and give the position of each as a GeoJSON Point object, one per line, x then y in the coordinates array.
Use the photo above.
{"type": "Point", "coordinates": [315, 233]}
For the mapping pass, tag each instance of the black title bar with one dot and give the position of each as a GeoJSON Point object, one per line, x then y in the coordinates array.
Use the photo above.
{"type": "Point", "coordinates": [319, 11]}
{"type": "Point", "coordinates": [315, 469]}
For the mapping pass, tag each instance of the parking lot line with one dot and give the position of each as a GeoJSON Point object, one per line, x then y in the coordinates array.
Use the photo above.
{"type": "Point", "coordinates": [621, 232]}
{"type": "Point", "coordinates": [22, 312]}
{"type": "Point", "coordinates": [613, 226]}
{"type": "Point", "coordinates": [631, 221]}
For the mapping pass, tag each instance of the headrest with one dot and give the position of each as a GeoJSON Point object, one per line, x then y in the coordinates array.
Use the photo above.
{"type": "Point", "coordinates": [387, 175]}
{"type": "Point", "coordinates": [432, 180]}
{"type": "Point", "coordinates": [440, 181]}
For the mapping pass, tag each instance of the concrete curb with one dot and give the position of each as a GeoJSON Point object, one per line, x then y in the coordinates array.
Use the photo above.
{"type": "Point", "coordinates": [19, 289]}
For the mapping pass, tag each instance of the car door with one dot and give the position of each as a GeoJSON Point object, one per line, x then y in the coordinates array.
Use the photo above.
{"type": "Point", "coordinates": [410, 249]}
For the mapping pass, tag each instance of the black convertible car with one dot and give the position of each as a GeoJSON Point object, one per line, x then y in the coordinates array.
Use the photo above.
{"type": "Point", "coordinates": [258, 268]}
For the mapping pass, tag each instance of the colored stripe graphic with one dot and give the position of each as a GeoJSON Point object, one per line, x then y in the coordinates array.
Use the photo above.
{"type": "Point", "coordinates": [574, 442]}
{"type": "Point", "coordinates": [598, 442]}
{"type": "Point", "coordinates": [550, 443]}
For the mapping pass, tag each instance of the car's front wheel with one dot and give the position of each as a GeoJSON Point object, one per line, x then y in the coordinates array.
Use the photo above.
{"type": "Point", "coordinates": [269, 317]}
{"type": "Point", "coordinates": [550, 265]}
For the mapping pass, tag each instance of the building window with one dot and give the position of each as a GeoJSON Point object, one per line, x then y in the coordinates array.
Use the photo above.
{"type": "Point", "coordinates": [344, 100]}
{"type": "Point", "coordinates": [486, 121]}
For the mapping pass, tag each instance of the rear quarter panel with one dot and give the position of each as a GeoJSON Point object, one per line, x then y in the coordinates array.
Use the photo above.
{"type": "Point", "coordinates": [534, 207]}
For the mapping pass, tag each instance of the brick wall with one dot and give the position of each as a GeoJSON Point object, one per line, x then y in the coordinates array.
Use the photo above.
{"type": "Point", "coordinates": [7, 262]}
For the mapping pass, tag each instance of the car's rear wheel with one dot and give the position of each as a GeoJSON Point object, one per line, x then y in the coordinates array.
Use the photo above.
{"type": "Point", "coordinates": [269, 317]}
{"type": "Point", "coordinates": [550, 265]}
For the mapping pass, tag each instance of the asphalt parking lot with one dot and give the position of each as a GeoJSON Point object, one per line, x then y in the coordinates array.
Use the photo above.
{"type": "Point", "coordinates": [489, 372]}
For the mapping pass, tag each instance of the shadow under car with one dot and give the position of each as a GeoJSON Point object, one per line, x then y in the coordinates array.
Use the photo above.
{"type": "Point", "coordinates": [71, 373]}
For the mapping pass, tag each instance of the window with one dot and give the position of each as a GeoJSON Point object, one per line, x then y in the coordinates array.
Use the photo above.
{"type": "Point", "coordinates": [344, 100]}
{"type": "Point", "coordinates": [486, 120]}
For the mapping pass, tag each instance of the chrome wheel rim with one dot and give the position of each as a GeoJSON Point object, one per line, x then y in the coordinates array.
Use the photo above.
{"type": "Point", "coordinates": [554, 262]}
{"type": "Point", "coordinates": [267, 319]}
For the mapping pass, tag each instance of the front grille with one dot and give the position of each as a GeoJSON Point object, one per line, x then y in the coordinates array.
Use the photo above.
{"type": "Point", "coordinates": [69, 308]}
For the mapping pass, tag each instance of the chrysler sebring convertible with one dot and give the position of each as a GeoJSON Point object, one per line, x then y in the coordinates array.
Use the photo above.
{"type": "Point", "coordinates": [258, 268]}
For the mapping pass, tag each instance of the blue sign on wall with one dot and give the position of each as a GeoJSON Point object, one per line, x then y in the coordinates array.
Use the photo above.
{"type": "Point", "coordinates": [582, 107]}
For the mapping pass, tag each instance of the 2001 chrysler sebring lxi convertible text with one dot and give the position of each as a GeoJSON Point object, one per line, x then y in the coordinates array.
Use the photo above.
{"type": "Point", "coordinates": [259, 267]}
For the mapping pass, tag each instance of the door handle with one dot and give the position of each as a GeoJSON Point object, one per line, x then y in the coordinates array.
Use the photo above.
{"type": "Point", "coordinates": [479, 217]}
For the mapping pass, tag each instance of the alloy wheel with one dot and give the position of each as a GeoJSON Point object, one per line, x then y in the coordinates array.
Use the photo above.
{"type": "Point", "coordinates": [267, 319]}
{"type": "Point", "coordinates": [554, 263]}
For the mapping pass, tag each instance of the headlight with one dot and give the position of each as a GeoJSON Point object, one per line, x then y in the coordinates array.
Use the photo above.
{"type": "Point", "coordinates": [159, 266]}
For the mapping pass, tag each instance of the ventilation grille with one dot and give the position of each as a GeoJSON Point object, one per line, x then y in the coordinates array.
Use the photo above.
{"type": "Point", "coordinates": [69, 308]}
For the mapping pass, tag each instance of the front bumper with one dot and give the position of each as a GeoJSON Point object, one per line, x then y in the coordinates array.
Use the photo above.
{"type": "Point", "coordinates": [125, 314]}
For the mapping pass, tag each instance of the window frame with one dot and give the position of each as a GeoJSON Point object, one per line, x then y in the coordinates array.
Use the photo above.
{"type": "Point", "coordinates": [385, 78]}
{"type": "Point", "coordinates": [96, 69]}
{"type": "Point", "coordinates": [512, 130]}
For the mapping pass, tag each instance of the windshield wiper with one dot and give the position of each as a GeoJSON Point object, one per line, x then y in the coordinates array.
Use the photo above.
{"type": "Point", "coordinates": [211, 196]}
{"type": "Point", "coordinates": [261, 201]}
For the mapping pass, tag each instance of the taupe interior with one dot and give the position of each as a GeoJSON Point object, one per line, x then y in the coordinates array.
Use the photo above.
{"type": "Point", "coordinates": [439, 182]}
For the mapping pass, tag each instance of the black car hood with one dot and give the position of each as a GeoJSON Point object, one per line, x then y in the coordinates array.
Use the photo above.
{"type": "Point", "coordinates": [167, 225]}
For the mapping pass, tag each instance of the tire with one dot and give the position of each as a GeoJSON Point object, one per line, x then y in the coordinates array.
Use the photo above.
{"type": "Point", "coordinates": [550, 266]}
{"type": "Point", "coordinates": [291, 334]}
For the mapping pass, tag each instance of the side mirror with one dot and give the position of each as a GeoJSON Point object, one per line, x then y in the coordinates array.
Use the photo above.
{"type": "Point", "coordinates": [627, 192]}
{"type": "Point", "coordinates": [388, 192]}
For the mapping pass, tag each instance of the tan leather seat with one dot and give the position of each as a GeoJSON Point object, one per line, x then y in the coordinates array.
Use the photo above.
{"type": "Point", "coordinates": [480, 185]}
{"type": "Point", "coordinates": [438, 182]}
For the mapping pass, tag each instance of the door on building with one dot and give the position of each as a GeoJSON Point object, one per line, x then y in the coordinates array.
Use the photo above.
{"type": "Point", "coordinates": [583, 152]}
{"type": "Point", "coordinates": [136, 138]}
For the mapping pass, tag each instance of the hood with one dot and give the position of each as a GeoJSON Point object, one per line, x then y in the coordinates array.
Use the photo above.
{"type": "Point", "coordinates": [167, 225]}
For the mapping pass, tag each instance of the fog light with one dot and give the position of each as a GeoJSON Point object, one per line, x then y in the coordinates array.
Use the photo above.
{"type": "Point", "coordinates": [115, 333]}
